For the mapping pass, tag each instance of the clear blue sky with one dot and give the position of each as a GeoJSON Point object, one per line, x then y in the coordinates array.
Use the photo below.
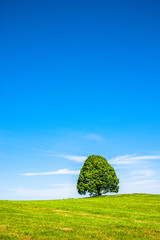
{"type": "Point", "coordinates": [78, 78]}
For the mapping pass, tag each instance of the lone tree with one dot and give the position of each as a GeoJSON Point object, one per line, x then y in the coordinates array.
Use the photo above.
{"type": "Point", "coordinates": [97, 177]}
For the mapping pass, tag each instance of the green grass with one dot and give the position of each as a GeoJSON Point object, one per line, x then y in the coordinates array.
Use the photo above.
{"type": "Point", "coordinates": [128, 216]}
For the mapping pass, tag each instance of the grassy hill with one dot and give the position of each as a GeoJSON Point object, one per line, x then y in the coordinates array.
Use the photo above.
{"type": "Point", "coordinates": [133, 216]}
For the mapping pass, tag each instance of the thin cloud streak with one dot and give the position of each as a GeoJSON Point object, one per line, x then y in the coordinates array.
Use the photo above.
{"type": "Point", "coordinates": [131, 159]}
{"type": "Point", "coordinates": [145, 157]}
{"type": "Point", "coordinates": [63, 185]}
{"type": "Point", "coordinates": [74, 157]}
{"type": "Point", "coordinates": [21, 193]}
{"type": "Point", "coordinates": [143, 182]}
{"type": "Point", "coordinates": [150, 186]}
{"type": "Point", "coordinates": [142, 174]}
{"type": "Point", "coordinates": [59, 171]}
{"type": "Point", "coordinates": [41, 150]}
{"type": "Point", "coordinates": [92, 136]}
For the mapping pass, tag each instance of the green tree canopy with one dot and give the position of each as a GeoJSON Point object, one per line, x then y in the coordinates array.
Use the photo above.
{"type": "Point", "coordinates": [97, 177]}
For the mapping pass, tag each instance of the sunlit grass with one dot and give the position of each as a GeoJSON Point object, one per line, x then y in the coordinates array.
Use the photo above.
{"type": "Point", "coordinates": [133, 216]}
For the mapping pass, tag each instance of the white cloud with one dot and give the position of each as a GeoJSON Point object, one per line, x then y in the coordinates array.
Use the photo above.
{"type": "Point", "coordinates": [125, 159]}
{"type": "Point", "coordinates": [74, 157]}
{"type": "Point", "coordinates": [142, 173]}
{"type": "Point", "coordinates": [131, 159]}
{"type": "Point", "coordinates": [92, 136]}
{"type": "Point", "coordinates": [41, 150]}
{"type": "Point", "coordinates": [80, 134]}
{"type": "Point", "coordinates": [142, 182]}
{"type": "Point", "coordinates": [59, 171]}
{"type": "Point", "coordinates": [61, 185]}
{"type": "Point", "coordinates": [55, 192]}
{"type": "Point", "coordinates": [145, 157]}
{"type": "Point", "coordinates": [144, 186]}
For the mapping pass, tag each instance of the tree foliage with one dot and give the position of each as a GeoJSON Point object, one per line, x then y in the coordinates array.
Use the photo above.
{"type": "Point", "coordinates": [97, 177]}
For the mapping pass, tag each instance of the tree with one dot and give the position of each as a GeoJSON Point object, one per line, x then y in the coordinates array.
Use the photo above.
{"type": "Point", "coordinates": [97, 177]}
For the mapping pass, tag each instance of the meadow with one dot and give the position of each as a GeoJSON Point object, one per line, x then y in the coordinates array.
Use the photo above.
{"type": "Point", "coordinates": [126, 216]}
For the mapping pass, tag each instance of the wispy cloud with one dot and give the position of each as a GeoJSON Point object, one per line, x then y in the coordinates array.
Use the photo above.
{"type": "Point", "coordinates": [63, 185]}
{"type": "Point", "coordinates": [41, 150]}
{"type": "Point", "coordinates": [75, 158]}
{"type": "Point", "coordinates": [53, 192]}
{"type": "Point", "coordinates": [151, 186]}
{"type": "Point", "coordinates": [145, 157]}
{"type": "Point", "coordinates": [81, 134]}
{"type": "Point", "coordinates": [142, 174]}
{"type": "Point", "coordinates": [125, 159]}
{"type": "Point", "coordinates": [92, 136]}
{"type": "Point", "coordinates": [143, 182]}
{"type": "Point", "coordinates": [59, 171]}
{"type": "Point", "coordinates": [131, 159]}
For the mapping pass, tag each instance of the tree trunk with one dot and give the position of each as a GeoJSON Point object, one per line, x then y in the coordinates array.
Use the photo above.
{"type": "Point", "coordinates": [99, 193]}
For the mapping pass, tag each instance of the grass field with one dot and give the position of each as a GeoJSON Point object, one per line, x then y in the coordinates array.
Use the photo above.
{"type": "Point", "coordinates": [133, 216]}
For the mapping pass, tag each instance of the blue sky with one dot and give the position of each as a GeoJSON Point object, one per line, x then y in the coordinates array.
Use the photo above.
{"type": "Point", "coordinates": [78, 78]}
